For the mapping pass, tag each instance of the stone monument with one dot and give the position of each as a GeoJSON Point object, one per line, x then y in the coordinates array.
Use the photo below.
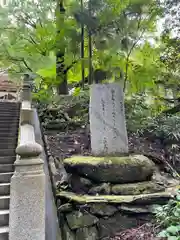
{"type": "Point", "coordinates": [107, 120]}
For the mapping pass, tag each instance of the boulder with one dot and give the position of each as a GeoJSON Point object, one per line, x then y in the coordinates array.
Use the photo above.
{"type": "Point", "coordinates": [127, 169]}
{"type": "Point", "coordinates": [87, 234]}
{"type": "Point", "coordinates": [78, 219]}
{"type": "Point", "coordinates": [136, 188]}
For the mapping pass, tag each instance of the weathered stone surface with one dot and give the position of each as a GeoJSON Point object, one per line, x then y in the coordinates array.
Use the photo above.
{"type": "Point", "coordinates": [67, 207]}
{"type": "Point", "coordinates": [111, 169]}
{"type": "Point", "coordinates": [102, 209]}
{"type": "Point", "coordinates": [103, 188]}
{"type": "Point", "coordinates": [135, 209]}
{"type": "Point", "coordinates": [67, 233]}
{"type": "Point", "coordinates": [107, 120]}
{"type": "Point", "coordinates": [27, 207]}
{"type": "Point", "coordinates": [136, 188]}
{"type": "Point", "coordinates": [87, 234]}
{"type": "Point", "coordinates": [79, 185]}
{"type": "Point", "coordinates": [78, 219]}
{"type": "Point", "coordinates": [153, 198]}
{"type": "Point", "coordinates": [86, 182]}
{"type": "Point", "coordinates": [117, 223]}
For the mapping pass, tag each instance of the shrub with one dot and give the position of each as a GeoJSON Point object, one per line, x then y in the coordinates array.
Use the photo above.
{"type": "Point", "coordinates": [168, 217]}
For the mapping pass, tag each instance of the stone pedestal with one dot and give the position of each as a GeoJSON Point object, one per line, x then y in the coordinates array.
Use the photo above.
{"type": "Point", "coordinates": [27, 207]}
{"type": "Point", "coordinates": [27, 203]}
{"type": "Point", "coordinates": [107, 120]}
{"type": "Point", "coordinates": [27, 192]}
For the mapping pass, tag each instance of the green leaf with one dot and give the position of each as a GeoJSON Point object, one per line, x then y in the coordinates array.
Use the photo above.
{"type": "Point", "coordinates": [173, 229]}
{"type": "Point", "coordinates": [173, 238]}
{"type": "Point", "coordinates": [163, 234]}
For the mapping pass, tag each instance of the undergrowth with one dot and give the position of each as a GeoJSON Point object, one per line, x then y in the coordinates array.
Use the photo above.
{"type": "Point", "coordinates": [168, 219]}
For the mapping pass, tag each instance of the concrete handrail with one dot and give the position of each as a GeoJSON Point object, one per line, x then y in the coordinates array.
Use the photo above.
{"type": "Point", "coordinates": [27, 195]}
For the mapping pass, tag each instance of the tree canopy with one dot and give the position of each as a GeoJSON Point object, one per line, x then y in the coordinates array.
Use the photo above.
{"type": "Point", "coordinates": [104, 40]}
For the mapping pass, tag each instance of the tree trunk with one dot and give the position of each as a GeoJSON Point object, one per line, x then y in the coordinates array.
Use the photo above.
{"type": "Point", "coordinates": [61, 73]}
{"type": "Point", "coordinates": [90, 80]}
{"type": "Point", "coordinates": [82, 48]}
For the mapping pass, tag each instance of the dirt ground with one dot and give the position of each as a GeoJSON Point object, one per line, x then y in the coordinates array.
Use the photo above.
{"type": "Point", "coordinates": [74, 142]}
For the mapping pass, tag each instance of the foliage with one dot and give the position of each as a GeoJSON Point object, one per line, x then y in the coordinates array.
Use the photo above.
{"type": "Point", "coordinates": [166, 128]}
{"type": "Point", "coordinates": [120, 34]}
{"type": "Point", "coordinates": [27, 43]}
{"type": "Point", "coordinates": [138, 113]}
{"type": "Point", "coordinates": [168, 218]}
{"type": "Point", "coordinates": [62, 112]}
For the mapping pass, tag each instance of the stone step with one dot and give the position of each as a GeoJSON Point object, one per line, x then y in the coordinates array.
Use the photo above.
{"type": "Point", "coordinates": [8, 123]}
{"type": "Point", "coordinates": [5, 177]}
{"type": "Point", "coordinates": [4, 217]}
{"type": "Point", "coordinates": [4, 189]}
{"type": "Point", "coordinates": [6, 168]}
{"type": "Point", "coordinates": [10, 110]}
{"type": "Point", "coordinates": [10, 103]}
{"type": "Point", "coordinates": [7, 145]}
{"type": "Point", "coordinates": [8, 127]}
{"type": "Point", "coordinates": [4, 202]}
{"type": "Point", "coordinates": [6, 134]}
{"type": "Point", "coordinates": [4, 233]}
{"type": "Point", "coordinates": [7, 152]}
{"type": "Point", "coordinates": [7, 141]}
{"type": "Point", "coordinates": [10, 116]}
{"type": "Point", "coordinates": [8, 159]}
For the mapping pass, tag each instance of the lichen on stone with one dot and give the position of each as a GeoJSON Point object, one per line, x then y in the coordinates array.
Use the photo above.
{"type": "Point", "coordinates": [153, 198]}
{"type": "Point", "coordinates": [136, 188]}
{"type": "Point", "coordinates": [125, 169]}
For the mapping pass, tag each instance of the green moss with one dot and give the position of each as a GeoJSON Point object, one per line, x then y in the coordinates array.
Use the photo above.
{"type": "Point", "coordinates": [136, 188]}
{"type": "Point", "coordinates": [153, 197]}
{"type": "Point", "coordinates": [126, 169]}
{"type": "Point", "coordinates": [102, 160]}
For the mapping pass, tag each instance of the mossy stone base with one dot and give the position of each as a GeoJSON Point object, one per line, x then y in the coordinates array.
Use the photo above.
{"type": "Point", "coordinates": [127, 169]}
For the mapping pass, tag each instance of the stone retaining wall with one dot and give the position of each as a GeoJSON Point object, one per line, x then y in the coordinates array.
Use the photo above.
{"type": "Point", "coordinates": [91, 211]}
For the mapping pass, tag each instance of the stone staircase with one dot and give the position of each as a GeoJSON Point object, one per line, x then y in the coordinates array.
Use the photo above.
{"type": "Point", "coordinates": [9, 124]}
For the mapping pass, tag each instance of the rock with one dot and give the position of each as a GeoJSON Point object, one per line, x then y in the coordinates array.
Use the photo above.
{"type": "Point", "coordinates": [113, 225]}
{"type": "Point", "coordinates": [67, 207]}
{"type": "Point", "coordinates": [67, 233]}
{"type": "Point", "coordinates": [104, 188]}
{"type": "Point", "coordinates": [77, 185]}
{"type": "Point", "coordinates": [164, 179]}
{"type": "Point", "coordinates": [152, 198]}
{"type": "Point", "coordinates": [86, 182]}
{"type": "Point", "coordinates": [87, 234]}
{"type": "Point", "coordinates": [78, 219]}
{"type": "Point", "coordinates": [102, 209]}
{"type": "Point", "coordinates": [136, 188]}
{"type": "Point", "coordinates": [127, 169]}
{"type": "Point", "coordinates": [135, 209]}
